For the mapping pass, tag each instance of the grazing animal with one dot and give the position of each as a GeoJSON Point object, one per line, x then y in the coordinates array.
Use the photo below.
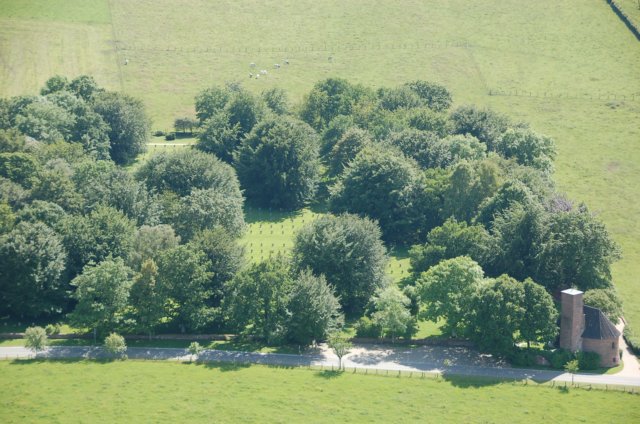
{"type": "Point", "coordinates": [263, 72]}
{"type": "Point", "coordinates": [126, 61]}
{"type": "Point", "coordinates": [286, 61]}
{"type": "Point", "coordinates": [276, 66]}
{"type": "Point", "coordinates": [252, 65]}
{"type": "Point", "coordinates": [250, 75]}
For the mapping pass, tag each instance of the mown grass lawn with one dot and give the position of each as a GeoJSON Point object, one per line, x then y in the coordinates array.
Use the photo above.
{"type": "Point", "coordinates": [136, 391]}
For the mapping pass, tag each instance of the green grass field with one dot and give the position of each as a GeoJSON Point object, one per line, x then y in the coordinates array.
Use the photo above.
{"type": "Point", "coordinates": [570, 67]}
{"type": "Point", "coordinates": [132, 391]}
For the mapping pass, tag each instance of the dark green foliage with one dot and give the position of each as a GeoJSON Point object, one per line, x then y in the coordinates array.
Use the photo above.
{"type": "Point", "coordinates": [588, 361]}
{"type": "Point", "coordinates": [224, 253]}
{"type": "Point", "coordinates": [185, 124]}
{"type": "Point", "coordinates": [147, 297]}
{"type": "Point", "coordinates": [470, 184]}
{"type": "Point", "coordinates": [606, 300]}
{"type": "Point", "coordinates": [484, 124]}
{"type": "Point", "coordinates": [245, 110]}
{"type": "Point", "coordinates": [336, 128]}
{"type": "Point", "coordinates": [210, 101]}
{"type": "Point", "coordinates": [7, 218]}
{"type": "Point", "coordinates": [314, 310]}
{"type": "Point", "coordinates": [277, 100]}
{"type": "Point", "coordinates": [11, 141]}
{"type": "Point", "coordinates": [128, 125]}
{"type": "Point", "coordinates": [204, 209]}
{"type": "Point", "coordinates": [427, 120]}
{"type": "Point", "coordinates": [447, 290]}
{"type": "Point", "coordinates": [54, 84]}
{"type": "Point", "coordinates": [527, 148]}
{"type": "Point", "coordinates": [385, 186]}
{"type": "Point", "coordinates": [512, 192]}
{"type": "Point", "coordinates": [517, 233]}
{"type": "Point", "coordinates": [559, 358]}
{"type": "Point", "coordinates": [367, 328]}
{"type": "Point", "coordinates": [85, 87]}
{"type": "Point", "coordinates": [330, 98]}
{"type": "Point", "coordinates": [448, 241]}
{"type": "Point", "coordinates": [40, 211]}
{"type": "Point", "coordinates": [184, 278]}
{"type": "Point", "coordinates": [150, 242]}
{"type": "Point", "coordinates": [186, 170]}
{"type": "Point", "coordinates": [219, 136]}
{"type": "Point", "coordinates": [436, 96]}
{"type": "Point", "coordinates": [347, 250]}
{"type": "Point", "coordinates": [256, 300]}
{"type": "Point", "coordinates": [402, 97]}
{"type": "Point", "coordinates": [32, 262]}
{"type": "Point", "coordinates": [464, 147]}
{"type": "Point", "coordinates": [347, 148]}
{"type": "Point", "coordinates": [540, 315]}
{"type": "Point", "coordinates": [45, 121]}
{"type": "Point", "coordinates": [633, 340]}
{"type": "Point", "coordinates": [21, 168]}
{"type": "Point", "coordinates": [278, 163]}
{"type": "Point", "coordinates": [103, 233]}
{"type": "Point", "coordinates": [425, 147]}
{"type": "Point", "coordinates": [575, 249]}
{"type": "Point", "coordinates": [497, 311]}
{"type": "Point", "coordinates": [102, 293]}
{"type": "Point", "coordinates": [55, 185]}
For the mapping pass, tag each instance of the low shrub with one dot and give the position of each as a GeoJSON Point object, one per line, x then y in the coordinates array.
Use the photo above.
{"type": "Point", "coordinates": [559, 358]}
{"type": "Point", "coordinates": [522, 357]}
{"type": "Point", "coordinates": [365, 327]}
{"type": "Point", "coordinates": [170, 137]}
{"type": "Point", "coordinates": [115, 345]}
{"type": "Point", "coordinates": [633, 340]}
{"type": "Point", "coordinates": [159, 134]}
{"type": "Point", "coordinates": [588, 360]}
{"type": "Point", "coordinates": [52, 329]}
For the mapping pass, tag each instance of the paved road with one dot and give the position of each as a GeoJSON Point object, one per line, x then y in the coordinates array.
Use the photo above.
{"type": "Point", "coordinates": [372, 358]}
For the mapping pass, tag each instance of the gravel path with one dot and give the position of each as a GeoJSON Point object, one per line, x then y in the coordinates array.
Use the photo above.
{"type": "Point", "coordinates": [452, 361]}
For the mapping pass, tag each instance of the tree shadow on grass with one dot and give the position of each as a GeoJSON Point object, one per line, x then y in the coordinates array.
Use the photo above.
{"type": "Point", "coordinates": [328, 374]}
{"type": "Point", "coordinates": [471, 382]}
{"type": "Point", "coordinates": [222, 366]}
{"type": "Point", "coordinates": [68, 361]}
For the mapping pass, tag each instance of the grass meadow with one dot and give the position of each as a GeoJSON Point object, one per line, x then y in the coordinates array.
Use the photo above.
{"type": "Point", "coordinates": [133, 391]}
{"type": "Point", "coordinates": [570, 67]}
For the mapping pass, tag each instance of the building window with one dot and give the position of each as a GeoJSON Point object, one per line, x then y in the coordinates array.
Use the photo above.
{"type": "Point", "coordinates": [613, 345]}
{"type": "Point", "coordinates": [615, 359]}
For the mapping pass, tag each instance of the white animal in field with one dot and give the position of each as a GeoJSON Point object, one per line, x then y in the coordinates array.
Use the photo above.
{"type": "Point", "coordinates": [126, 61]}
{"type": "Point", "coordinates": [286, 61]}
{"type": "Point", "coordinates": [250, 75]}
{"type": "Point", "coordinates": [252, 65]}
{"type": "Point", "coordinates": [263, 72]}
{"type": "Point", "coordinates": [276, 65]}
{"type": "Point", "coordinates": [257, 76]}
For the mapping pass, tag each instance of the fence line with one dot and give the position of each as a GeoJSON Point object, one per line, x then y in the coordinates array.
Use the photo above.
{"type": "Point", "coordinates": [561, 95]}
{"type": "Point", "coordinates": [126, 46]}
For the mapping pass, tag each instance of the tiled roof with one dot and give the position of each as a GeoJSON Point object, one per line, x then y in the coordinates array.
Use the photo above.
{"type": "Point", "coordinates": [597, 325]}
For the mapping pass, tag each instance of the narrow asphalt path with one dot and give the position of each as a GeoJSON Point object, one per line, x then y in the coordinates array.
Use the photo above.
{"type": "Point", "coordinates": [417, 360]}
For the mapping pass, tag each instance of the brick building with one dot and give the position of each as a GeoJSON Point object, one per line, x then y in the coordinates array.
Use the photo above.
{"type": "Point", "coordinates": [587, 329]}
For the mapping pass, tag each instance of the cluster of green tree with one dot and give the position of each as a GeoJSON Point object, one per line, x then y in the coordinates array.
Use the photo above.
{"type": "Point", "coordinates": [144, 249]}
{"type": "Point", "coordinates": [106, 124]}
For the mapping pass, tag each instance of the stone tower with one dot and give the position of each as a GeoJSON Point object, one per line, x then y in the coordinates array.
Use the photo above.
{"type": "Point", "coordinates": [572, 320]}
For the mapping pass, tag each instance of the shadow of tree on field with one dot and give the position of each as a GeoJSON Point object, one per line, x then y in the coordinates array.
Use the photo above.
{"type": "Point", "coordinates": [329, 375]}
{"type": "Point", "coordinates": [466, 382]}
